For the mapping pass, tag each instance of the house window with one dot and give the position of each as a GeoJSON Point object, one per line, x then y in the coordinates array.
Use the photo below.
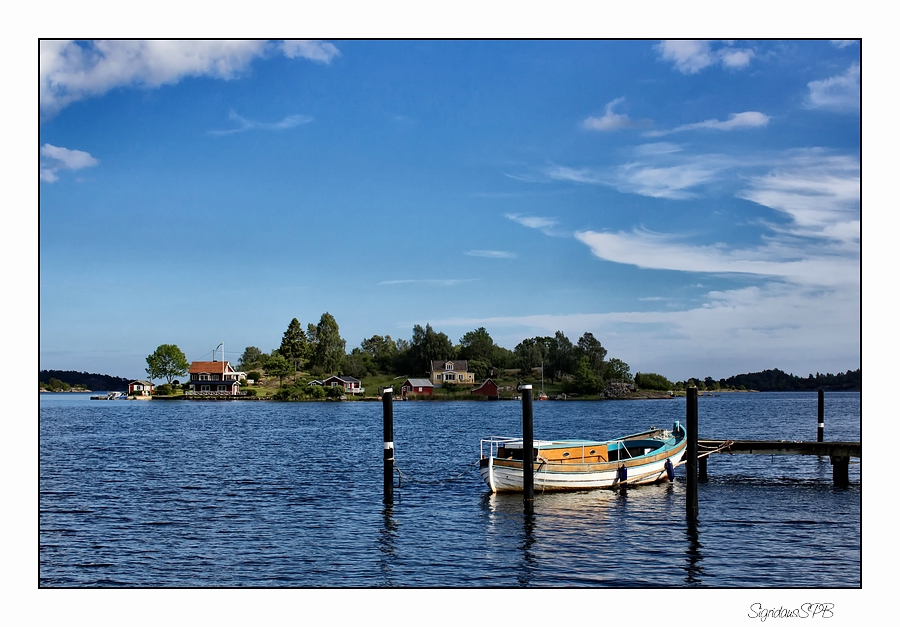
{"type": "Point", "coordinates": [220, 388]}
{"type": "Point", "coordinates": [439, 377]}
{"type": "Point", "coordinates": [448, 365]}
{"type": "Point", "coordinates": [418, 389]}
{"type": "Point", "coordinates": [204, 377]}
{"type": "Point", "coordinates": [204, 388]}
{"type": "Point", "coordinates": [450, 377]}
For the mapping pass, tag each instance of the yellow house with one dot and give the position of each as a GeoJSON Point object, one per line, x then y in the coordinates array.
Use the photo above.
{"type": "Point", "coordinates": [451, 371]}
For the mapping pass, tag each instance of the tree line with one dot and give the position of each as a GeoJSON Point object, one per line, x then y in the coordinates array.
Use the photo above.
{"type": "Point", "coordinates": [64, 379]}
{"type": "Point", "coordinates": [581, 366]}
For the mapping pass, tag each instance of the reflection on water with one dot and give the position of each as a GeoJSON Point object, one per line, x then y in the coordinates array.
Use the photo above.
{"type": "Point", "coordinates": [694, 570]}
{"type": "Point", "coordinates": [387, 540]}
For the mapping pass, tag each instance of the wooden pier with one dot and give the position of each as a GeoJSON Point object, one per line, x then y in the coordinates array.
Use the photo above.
{"type": "Point", "coordinates": [839, 452]}
{"type": "Point", "coordinates": [698, 451]}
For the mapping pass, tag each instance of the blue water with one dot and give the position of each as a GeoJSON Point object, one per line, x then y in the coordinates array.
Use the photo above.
{"type": "Point", "coordinates": [202, 494]}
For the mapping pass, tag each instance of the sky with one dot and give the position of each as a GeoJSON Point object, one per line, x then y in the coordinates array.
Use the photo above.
{"type": "Point", "coordinates": [694, 204]}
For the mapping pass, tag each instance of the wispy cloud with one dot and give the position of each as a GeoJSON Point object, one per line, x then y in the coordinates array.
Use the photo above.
{"type": "Point", "coordinates": [736, 121]}
{"type": "Point", "coordinates": [820, 192]}
{"type": "Point", "coordinates": [844, 43]}
{"type": "Point", "coordinates": [437, 282]}
{"type": "Point", "coordinates": [797, 264]}
{"type": "Point", "coordinates": [770, 325]}
{"type": "Point", "coordinates": [839, 92]}
{"type": "Point", "coordinates": [611, 121]}
{"type": "Point", "coordinates": [534, 222]}
{"type": "Point", "coordinates": [491, 254]}
{"type": "Point", "coordinates": [692, 56]}
{"type": "Point", "coordinates": [247, 125]}
{"type": "Point", "coordinates": [71, 71]}
{"type": "Point", "coordinates": [55, 158]}
{"type": "Point", "coordinates": [656, 175]}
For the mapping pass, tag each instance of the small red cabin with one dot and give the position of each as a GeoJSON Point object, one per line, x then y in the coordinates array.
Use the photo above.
{"type": "Point", "coordinates": [488, 389]}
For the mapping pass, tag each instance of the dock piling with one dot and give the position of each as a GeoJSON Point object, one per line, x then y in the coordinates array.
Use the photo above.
{"type": "Point", "coordinates": [528, 448]}
{"type": "Point", "coordinates": [691, 466]}
{"type": "Point", "coordinates": [821, 431]}
{"type": "Point", "coordinates": [840, 471]}
{"type": "Point", "coordinates": [387, 402]}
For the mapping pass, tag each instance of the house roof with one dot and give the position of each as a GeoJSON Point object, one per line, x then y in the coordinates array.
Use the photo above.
{"type": "Point", "coordinates": [210, 366]}
{"type": "Point", "coordinates": [141, 382]}
{"type": "Point", "coordinates": [458, 364]}
{"type": "Point", "coordinates": [344, 378]}
{"type": "Point", "coordinates": [424, 383]}
{"type": "Point", "coordinates": [488, 384]}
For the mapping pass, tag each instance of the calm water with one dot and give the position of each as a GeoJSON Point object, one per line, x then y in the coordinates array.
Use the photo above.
{"type": "Point", "coordinates": [196, 494]}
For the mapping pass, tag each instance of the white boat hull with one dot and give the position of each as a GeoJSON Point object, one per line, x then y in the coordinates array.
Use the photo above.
{"type": "Point", "coordinates": [501, 478]}
{"type": "Point", "coordinates": [504, 474]}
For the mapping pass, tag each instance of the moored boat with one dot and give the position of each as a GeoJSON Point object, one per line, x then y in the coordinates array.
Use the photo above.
{"type": "Point", "coordinates": [640, 458]}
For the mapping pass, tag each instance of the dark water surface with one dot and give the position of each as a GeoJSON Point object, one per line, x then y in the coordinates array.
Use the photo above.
{"type": "Point", "coordinates": [197, 494]}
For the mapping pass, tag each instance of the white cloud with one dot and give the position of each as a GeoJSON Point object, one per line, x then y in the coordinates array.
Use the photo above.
{"type": "Point", "coordinates": [838, 92]}
{"type": "Point", "coordinates": [612, 121]}
{"type": "Point", "coordinates": [641, 177]}
{"type": "Point", "coordinates": [691, 56]}
{"type": "Point", "coordinates": [246, 125]}
{"type": "Point", "coordinates": [820, 192]}
{"type": "Point", "coordinates": [309, 49]}
{"type": "Point", "coordinates": [534, 222]}
{"type": "Point", "coordinates": [843, 43]}
{"type": "Point", "coordinates": [491, 254]}
{"type": "Point", "coordinates": [71, 71]}
{"type": "Point", "coordinates": [55, 158]}
{"type": "Point", "coordinates": [735, 121]}
{"type": "Point", "coordinates": [799, 265]}
{"type": "Point", "coordinates": [772, 325]}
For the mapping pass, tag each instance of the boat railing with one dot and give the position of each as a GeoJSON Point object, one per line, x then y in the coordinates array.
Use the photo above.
{"type": "Point", "coordinates": [494, 442]}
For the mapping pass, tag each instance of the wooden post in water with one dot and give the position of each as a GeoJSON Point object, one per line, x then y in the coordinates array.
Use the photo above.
{"type": "Point", "coordinates": [691, 466]}
{"type": "Point", "coordinates": [840, 471]}
{"type": "Point", "coordinates": [701, 468]}
{"type": "Point", "coordinates": [387, 402]}
{"type": "Point", "coordinates": [821, 432]}
{"type": "Point", "coordinates": [528, 448]}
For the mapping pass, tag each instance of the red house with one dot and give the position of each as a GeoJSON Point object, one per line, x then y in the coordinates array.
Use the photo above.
{"type": "Point", "coordinates": [417, 387]}
{"type": "Point", "coordinates": [351, 385]}
{"type": "Point", "coordinates": [488, 389]}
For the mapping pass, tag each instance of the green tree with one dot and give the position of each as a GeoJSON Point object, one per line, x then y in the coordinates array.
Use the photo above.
{"type": "Point", "coordinates": [278, 366]}
{"type": "Point", "coordinates": [294, 344]}
{"type": "Point", "coordinates": [358, 364]}
{"type": "Point", "coordinates": [562, 357]}
{"type": "Point", "coordinates": [167, 362]}
{"type": "Point", "coordinates": [530, 353]}
{"type": "Point", "coordinates": [383, 352]}
{"type": "Point", "coordinates": [476, 344]}
{"type": "Point", "coordinates": [252, 357]}
{"type": "Point", "coordinates": [618, 369]}
{"type": "Point", "coordinates": [590, 347]}
{"type": "Point", "coordinates": [479, 368]}
{"type": "Point", "coordinates": [330, 348]}
{"type": "Point", "coordinates": [426, 346]}
{"type": "Point", "coordinates": [652, 381]}
{"type": "Point", "coordinates": [586, 381]}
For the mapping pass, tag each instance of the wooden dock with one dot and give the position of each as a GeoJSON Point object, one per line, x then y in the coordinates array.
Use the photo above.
{"type": "Point", "coordinates": [839, 452]}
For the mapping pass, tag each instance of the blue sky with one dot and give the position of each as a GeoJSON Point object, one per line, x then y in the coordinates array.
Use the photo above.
{"type": "Point", "coordinates": [693, 204]}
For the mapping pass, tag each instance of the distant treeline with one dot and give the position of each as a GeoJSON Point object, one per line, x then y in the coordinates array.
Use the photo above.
{"type": "Point", "coordinates": [87, 380]}
{"type": "Point", "coordinates": [779, 381]}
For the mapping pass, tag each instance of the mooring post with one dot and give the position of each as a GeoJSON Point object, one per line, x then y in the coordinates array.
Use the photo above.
{"type": "Point", "coordinates": [840, 471]}
{"type": "Point", "coordinates": [387, 402]}
{"type": "Point", "coordinates": [821, 434]}
{"type": "Point", "coordinates": [528, 448]}
{"type": "Point", "coordinates": [691, 466]}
